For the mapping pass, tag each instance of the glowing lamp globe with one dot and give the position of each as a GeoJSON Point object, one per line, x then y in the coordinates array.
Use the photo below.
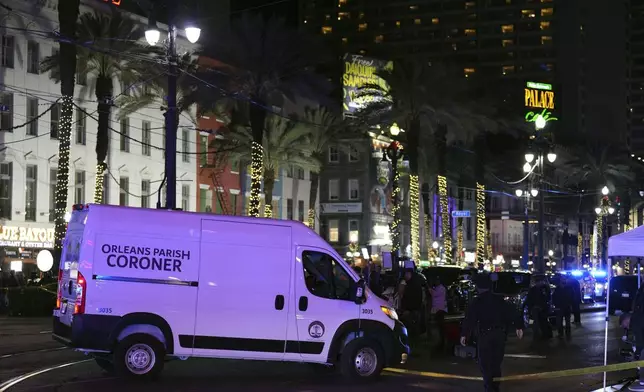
{"type": "Point", "coordinates": [598, 210]}
{"type": "Point", "coordinates": [605, 190]}
{"type": "Point", "coordinates": [611, 210]}
{"type": "Point", "coordinates": [529, 157]}
{"type": "Point", "coordinates": [527, 168]}
{"type": "Point", "coordinates": [152, 35]}
{"type": "Point", "coordinates": [518, 192]}
{"type": "Point", "coordinates": [193, 33]}
{"type": "Point", "coordinates": [534, 192]}
{"type": "Point", "coordinates": [540, 122]}
{"type": "Point", "coordinates": [44, 260]}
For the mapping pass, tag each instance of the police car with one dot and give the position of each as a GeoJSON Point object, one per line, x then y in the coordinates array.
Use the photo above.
{"type": "Point", "coordinates": [137, 286]}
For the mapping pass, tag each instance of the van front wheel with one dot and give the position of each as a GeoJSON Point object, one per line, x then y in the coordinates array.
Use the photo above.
{"type": "Point", "coordinates": [139, 356]}
{"type": "Point", "coordinates": [362, 359]}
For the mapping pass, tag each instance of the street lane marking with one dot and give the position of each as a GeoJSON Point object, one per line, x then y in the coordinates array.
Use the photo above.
{"type": "Point", "coordinates": [43, 332]}
{"type": "Point", "coordinates": [16, 380]}
{"type": "Point", "coordinates": [527, 356]}
{"type": "Point", "coordinates": [44, 350]}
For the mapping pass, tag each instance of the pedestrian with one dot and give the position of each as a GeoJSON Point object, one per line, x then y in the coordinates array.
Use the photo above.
{"type": "Point", "coordinates": [576, 305]}
{"type": "Point", "coordinates": [636, 324]}
{"type": "Point", "coordinates": [538, 304]}
{"type": "Point", "coordinates": [438, 311]}
{"type": "Point", "coordinates": [490, 317]}
{"type": "Point", "coordinates": [412, 302]}
{"type": "Point", "coordinates": [563, 299]}
{"type": "Point", "coordinates": [375, 282]}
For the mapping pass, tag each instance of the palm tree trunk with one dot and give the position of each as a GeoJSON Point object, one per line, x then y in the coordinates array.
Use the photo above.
{"type": "Point", "coordinates": [104, 91]}
{"type": "Point", "coordinates": [67, 17]}
{"type": "Point", "coordinates": [459, 230]}
{"type": "Point", "coordinates": [269, 185]}
{"type": "Point", "coordinates": [441, 142]}
{"type": "Point", "coordinates": [414, 188]}
{"type": "Point", "coordinates": [313, 197]}
{"type": "Point", "coordinates": [257, 119]}
{"type": "Point", "coordinates": [481, 225]}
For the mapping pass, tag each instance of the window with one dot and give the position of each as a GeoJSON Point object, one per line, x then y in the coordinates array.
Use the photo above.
{"type": "Point", "coordinates": [203, 156]}
{"type": "Point", "coordinates": [300, 210]}
{"type": "Point", "coordinates": [289, 209]}
{"type": "Point", "coordinates": [6, 174]}
{"type": "Point", "coordinates": [234, 165]}
{"type": "Point", "coordinates": [52, 193]}
{"type": "Point", "coordinates": [343, 15]}
{"type": "Point", "coordinates": [31, 192]}
{"type": "Point", "coordinates": [300, 173]}
{"type": "Point", "coordinates": [124, 190]}
{"type": "Point", "coordinates": [327, 29]}
{"type": "Point", "coordinates": [81, 127]}
{"type": "Point", "coordinates": [413, 7]}
{"type": "Point", "coordinates": [325, 277]}
{"type": "Point", "coordinates": [6, 112]}
{"type": "Point", "coordinates": [468, 229]}
{"type": "Point", "coordinates": [379, 38]}
{"type": "Point", "coordinates": [334, 230]}
{"type": "Point", "coordinates": [289, 171]}
{"type": "Point", "coordinates": [507, 29]}
{"type": "Point", "coordinates": [105, 199]}
{"type": "Point", "coordinates": [545, 25]}
{"type": "Point", "coordinates": [79, 187]}
{"type": "Point", "coordinates": [334, 189]}
{"type": "Point", "coordinates": [202, 200]}
{"type": "Point", "coordinates": [468, 195]}
{"type": "Point", "coordinates": [185, 197]}
{"type": "Point", "coordinates": [8, 51]}
{"type": "Point", "coordinates": [146, 138]}
{"type": "Point", "coordinates": [362, 27]}
{"type": "Point", "coordinates": [546, 40]}
{"type": "Point", "coordinates": [54, 119]}
{"type": "Point", "coordinates": [345, 40]}
{"type": "Point", "coordinates": [547, 11]}
{"type": "Point", "coordinates": [125, 133]}
{"type": "Point", "coordinates": [354, 230]}
{"type": "Point", "coordinates": [354, 189]}
{"type": "Point", "coordinates": [33, 57]}
{"type": "Point", "coordinates": [145, 194]}
{"type": "Point", "coordinates": [527, 14]}
{"type": "Point", "coordinates": [334, 155]}
{"type": "Point", "coordinates": [468, 71]}
{"type": "Point", "coordinates": [435, 21]}
{"type": "Point", "coordinates": [32, 115]}
{"type": "Point", "coordinates": [397, 23]}
{"type": "Point", "coordinates": [185, 154]}
{"type": "Point", "coordinates": [469, 32]}
{"type": "Point", "coordinates": [507, 42]}
{"type": "Point", "coordinates": [354, 155]}
{"type": "Point", "coordinates": [507, 69]}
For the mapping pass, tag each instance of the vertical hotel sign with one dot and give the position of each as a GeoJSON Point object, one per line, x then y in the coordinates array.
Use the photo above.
{"type": "Point", "coordinates": [360, 71]}
{"type": "Point", "coordinates": [539, 100]}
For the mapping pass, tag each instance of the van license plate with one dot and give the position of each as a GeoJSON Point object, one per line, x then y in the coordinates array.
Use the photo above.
{"type": "Point", "coordinates": [626, 295]}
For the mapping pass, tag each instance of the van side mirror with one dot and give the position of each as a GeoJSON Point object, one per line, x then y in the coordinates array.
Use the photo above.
{"type": "Point", "coordinates": [359, 292]}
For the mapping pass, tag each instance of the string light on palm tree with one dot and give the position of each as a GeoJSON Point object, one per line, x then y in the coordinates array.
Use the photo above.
{"type": "Point", "coordinates": [604, 210]}
{"type": "Point", "coordinates": [447, 227]}
{"type": "Point", "coordinates": [480, 224]}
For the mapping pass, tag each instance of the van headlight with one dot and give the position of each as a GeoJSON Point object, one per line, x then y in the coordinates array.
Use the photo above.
{"type": "Point", "coordinates": [390, 312]}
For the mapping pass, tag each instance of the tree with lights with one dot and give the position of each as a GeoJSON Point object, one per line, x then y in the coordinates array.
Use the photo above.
{"type": "Point", "coordinates": [266, 65]}
{"type": "Point", "coordinates": [114, 54]}
{"type": "Point", "coordinates": [68, 12]}
{"type": "Point", "coordinates": [325, 130]}
{"type": "Point", "coordinates": [286, 144]}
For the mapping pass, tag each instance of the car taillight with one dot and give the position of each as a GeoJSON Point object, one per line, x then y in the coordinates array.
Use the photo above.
{"type": "Point", "coordinates": [81, 293]}
{"type": "Point", "coordinates": [59, 294]}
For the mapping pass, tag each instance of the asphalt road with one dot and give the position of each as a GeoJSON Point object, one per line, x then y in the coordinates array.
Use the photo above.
{"type": "Point", "coordinates": [26, 346]}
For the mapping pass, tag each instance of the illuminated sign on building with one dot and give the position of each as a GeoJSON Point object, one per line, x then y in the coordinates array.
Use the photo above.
{"type": "Point", "coordinates": [540, 99]}
{"type": "Point", "coordinates": [26, 237]}
{"type": "Point", "coordinates": [360, 71]}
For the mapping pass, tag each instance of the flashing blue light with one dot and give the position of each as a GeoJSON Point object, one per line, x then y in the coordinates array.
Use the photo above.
{"type": "Point", "coordinates": [599, 274]}
{"type": "Point", "coordinates": [577, 273]}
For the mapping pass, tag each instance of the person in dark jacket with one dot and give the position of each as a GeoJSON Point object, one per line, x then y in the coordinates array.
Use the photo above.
{"type": "Point", "coordinates": [490, 317]}
{"type": "Point", "coordinates": [412, 303]}
{"type": "Point", "coordinates": [538, 304]}
{"type": "Point", "coordinates": [576, 305]}
{"type": "Point", "coordinates": [563, 299]}
{"type": "Point", "coordinates": [375, 281]}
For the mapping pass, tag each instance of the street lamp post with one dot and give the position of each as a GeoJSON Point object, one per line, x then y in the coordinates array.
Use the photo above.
{"type": "Point", "coordinates": [393, 153]}
{"type": "Point", "coordinates": [526, 225]}
{"type": "Point", "coordinates": [543, 152]}
{"type": "Point", "coordinates": [152, 36]}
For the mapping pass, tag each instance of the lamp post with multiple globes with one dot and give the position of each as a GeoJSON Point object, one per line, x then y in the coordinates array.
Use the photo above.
{"type": "Point", "coordinates": [526, 194]}
{"type": "Point", "coordinates": [152, 36]}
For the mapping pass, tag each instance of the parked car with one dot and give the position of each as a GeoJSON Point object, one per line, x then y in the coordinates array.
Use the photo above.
{"type": "Point", "coordinates": [622, 293]}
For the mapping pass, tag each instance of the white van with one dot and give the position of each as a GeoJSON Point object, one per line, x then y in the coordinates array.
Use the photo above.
{"type": "Point", "coordinates": [139, 285]}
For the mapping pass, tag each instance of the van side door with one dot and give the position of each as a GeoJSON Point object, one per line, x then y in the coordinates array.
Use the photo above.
{"type": "Point", "coordinates": [323, 302]}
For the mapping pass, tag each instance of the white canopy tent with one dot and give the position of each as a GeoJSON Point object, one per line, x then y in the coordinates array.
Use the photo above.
{"type": "Point", "coordinates": [627, 244]}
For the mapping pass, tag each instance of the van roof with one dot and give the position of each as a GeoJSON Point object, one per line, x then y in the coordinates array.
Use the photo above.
{"type": "Point", "coordinates": [182, 224]}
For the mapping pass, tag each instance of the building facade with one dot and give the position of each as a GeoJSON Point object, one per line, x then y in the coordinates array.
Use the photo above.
{"type": "Point", "coordinates": [29, 124]}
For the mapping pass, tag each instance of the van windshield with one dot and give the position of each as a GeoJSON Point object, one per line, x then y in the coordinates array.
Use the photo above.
{"type": "Point", "coordinates": [325, 277]}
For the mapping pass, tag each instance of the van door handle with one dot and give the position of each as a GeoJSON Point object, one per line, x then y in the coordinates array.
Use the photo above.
{"type": "Point", "coordinates": [279, 302]}
{"type": "Point", "coordinates": [303, 304]}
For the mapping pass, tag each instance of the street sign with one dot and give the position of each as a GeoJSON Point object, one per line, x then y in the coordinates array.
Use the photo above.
{"type": "Point", "coordinates": [461, 214]}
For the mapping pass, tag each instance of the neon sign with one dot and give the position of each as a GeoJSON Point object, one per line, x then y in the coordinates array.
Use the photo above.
{"type": "Point", "coordinates": [547, 116]}
{"type": "Point", "coordinates": [539, 96]}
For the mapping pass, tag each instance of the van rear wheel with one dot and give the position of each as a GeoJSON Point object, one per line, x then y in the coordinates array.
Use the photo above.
{"type": "Point", "coordinates": [139, 356]}
{"type": "Point", "coordinates": [362, 359]}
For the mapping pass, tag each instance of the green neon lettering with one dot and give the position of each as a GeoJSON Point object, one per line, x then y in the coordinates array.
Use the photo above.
{"type": "Point", "coordinates": [532, 116]}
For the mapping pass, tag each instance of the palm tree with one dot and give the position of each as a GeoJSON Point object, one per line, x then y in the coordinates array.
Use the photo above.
{"type": "Point", "coordinates": [287, 143]}
{"type": "Point", "coordinates": [67, 16]}
{"type": "Point", "coordinates": [265, 63]}
{"type": "Point", "coordinates": [114, 55]}
{"type": "Point", "coordinates": [422, 96]}
{"type": "Point", "coordinates": [155, 89]}
{"type": "Point", "coordinates": [325, 128]}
